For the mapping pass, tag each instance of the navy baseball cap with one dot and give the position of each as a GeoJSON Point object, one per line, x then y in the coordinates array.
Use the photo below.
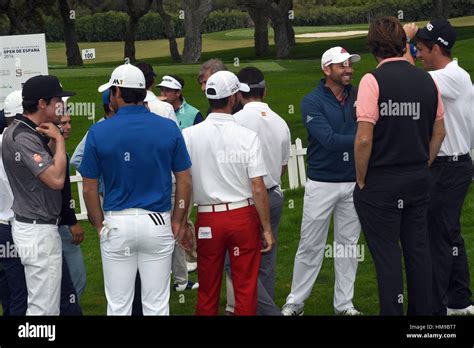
{"type": "Point", "coordinates": [439, 31]}
{"type": "Point", "coordinates": [44, 87]}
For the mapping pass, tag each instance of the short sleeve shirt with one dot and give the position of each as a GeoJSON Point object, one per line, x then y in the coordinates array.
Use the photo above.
{"type": "Point", "coordinates": [135, 152]}
{"type": "Point", "coordinates": [25, 156]}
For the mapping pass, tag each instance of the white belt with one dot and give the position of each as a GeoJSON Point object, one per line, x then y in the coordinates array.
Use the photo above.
{"type": "Point", "coordinates": [131, 211]}
{"type": "Point", "coordinates": [216, 208]}
{"type": "Point", "coordinates": [5, 222]}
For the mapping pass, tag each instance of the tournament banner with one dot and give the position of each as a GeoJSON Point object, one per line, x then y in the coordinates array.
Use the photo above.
{"type": "Point", "coordinates": [21, 57]}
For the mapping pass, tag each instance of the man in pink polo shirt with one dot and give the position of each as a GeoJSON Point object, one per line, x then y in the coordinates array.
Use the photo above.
{"type": "Point", "coordinates": [400, 131]}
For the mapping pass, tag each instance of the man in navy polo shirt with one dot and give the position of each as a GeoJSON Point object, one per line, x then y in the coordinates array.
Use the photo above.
{"type": "Point", "coordinates": [136, 162]}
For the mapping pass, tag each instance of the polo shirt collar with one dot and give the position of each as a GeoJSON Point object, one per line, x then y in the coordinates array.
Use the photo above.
{"type": "Point", "coordinates": [182, 106]}
{"type": "Point", "coordinates": [132, 109]}
{"type": "Point", "coordinates": [256, 104]}
{"type": "Point", "coordinates": [326, 89]}
{"type": "Point", "coordinates": [220, 117]}
{"type": "Point", "coordinates": [26, 120]}
{"type": "Point", "coordinates": [393, 59]}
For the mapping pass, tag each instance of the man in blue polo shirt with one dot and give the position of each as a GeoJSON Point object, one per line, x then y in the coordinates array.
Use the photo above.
{"type": "Point", "coordinates": [136, 162]}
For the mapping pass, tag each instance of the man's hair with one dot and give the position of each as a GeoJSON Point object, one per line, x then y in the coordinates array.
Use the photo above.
{"type": "Point", "coordinates": [387, 38]}
{"type": "Point", "coordinates": [218, 103]}
{"type": "Point", "coordinates": [213, 66]}
{"type": "Point", "coordinates": [31, 106]}
{"type": "Point", "coordinates": [430, 44]}
{"type": "Point", "coordinates": [252, 76]}
{"type": "Point", "coordinates": [107, 109]}
{"type": "Point", "coordinates": [148, 72]}
{"type": "Point", "coordinates": [130, 95]}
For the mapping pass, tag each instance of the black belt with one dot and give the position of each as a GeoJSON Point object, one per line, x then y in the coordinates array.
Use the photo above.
{"type": "Point", "coordinates": [37, 221]}
{"type": "Point", "coordinates": [273, 188]}
{"type": "Point", "coordinates": [453, 159]}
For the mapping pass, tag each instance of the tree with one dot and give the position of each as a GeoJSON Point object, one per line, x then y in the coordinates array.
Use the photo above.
{"type": "Point", "coordinates": [441, 9]}
{"type": "Point", "coordinates": [136, 9]}
{"type": "Point", "coordinates": [22, 11]}
{"type": "Point", "coordinates": [257, 10]}
{"type": "Point", "coordinates": [70, 39]}
{"type": "Point", "coordinates": [169, 31]}
{"type": "Point", "coordinates": [279, 12]}
{"type": "Point", "coordinates": [290, 32]}
{"type": "Point", "coordinates": [195, 12]}
{"type": "Point", "coordinates": [16, 25]}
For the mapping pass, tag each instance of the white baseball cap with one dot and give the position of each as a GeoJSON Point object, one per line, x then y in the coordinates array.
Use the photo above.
{"type": "Point", "coordinates": [13, 104]}
{"type": "Point", "coordinates": [337, 55]}
{"type": "Point", "coordinates": [223, 84]}
{"type": "Point", "coordinates": [127, 76]}
{"type": "Point", "coordinates": [170, 82]}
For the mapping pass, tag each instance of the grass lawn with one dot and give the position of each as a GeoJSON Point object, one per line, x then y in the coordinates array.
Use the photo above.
{"type": "Point", "coordinates": [220, 41]}
{"type": "Point", "coordinates": [288, 81]}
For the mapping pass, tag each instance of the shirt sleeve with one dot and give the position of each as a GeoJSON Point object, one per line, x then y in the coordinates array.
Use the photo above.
{"type": "Point", "coordinates": [318, 127]}
{"type": "Point", "coordinates": [68, 215]}
{"type": "Point", "coordinates": [367, 106]}
{"type": "Point", "coordinates": [256, 165]}
{"type": "Point", "coordinates": [171, 114]}
{"type": "Point", "coordinates": [180, 161]}
{"type": "Point", "coordinates": [440, 109]}
{"type": "Point", "coordinates": [90, 165]}
{"type": "Point", "coordinates": [198, 119]}
{"type": "Point", "coordinates": [76, 158]}
{"type": "Point", "coordinates": [32, 153]}
{"type": "Point", "coordinates": [447, 84]}
{"type": "Point", "coordinates": [286, 151]}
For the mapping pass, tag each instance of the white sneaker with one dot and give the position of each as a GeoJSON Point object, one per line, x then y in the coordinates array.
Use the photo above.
{"type": "Point", "coordinates": [190, 285]}
{"type": "Point", "coordinates": [469, 310]}
{"type": "Point", "coordinates": [292, 309]}
{"type": "Point", "coordinates": [349, 312]}
{"type": "Point", "coordinates": [191, 266]}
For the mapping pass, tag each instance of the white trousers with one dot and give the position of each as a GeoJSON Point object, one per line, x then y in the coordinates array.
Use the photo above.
{"type": "Point", "coordinates": [39, 247]}
{"type": "Point", "coordinates": [131, 240]}
{"type": "Point", "coordinates": [321, 200]}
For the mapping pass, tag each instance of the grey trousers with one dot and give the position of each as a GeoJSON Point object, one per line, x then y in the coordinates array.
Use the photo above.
{"type": "Point", "coordinates": [181, 257]}
{"type": "Point", "coordinates": [266, 278]}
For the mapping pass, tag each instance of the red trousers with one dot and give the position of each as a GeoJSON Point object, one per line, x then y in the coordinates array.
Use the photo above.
{"type": "Point", "coordinates": [236, 231]}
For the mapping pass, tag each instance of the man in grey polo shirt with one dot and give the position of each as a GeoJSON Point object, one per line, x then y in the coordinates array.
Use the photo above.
{"type": "Point", "coordinates": [34, 156]}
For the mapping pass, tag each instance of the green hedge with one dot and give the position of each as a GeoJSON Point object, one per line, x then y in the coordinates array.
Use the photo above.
{"type": "Point", "coordinates": [111, 26]}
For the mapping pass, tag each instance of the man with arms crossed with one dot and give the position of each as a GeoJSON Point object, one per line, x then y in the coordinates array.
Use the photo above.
{"type": "Point", "coordinates": [400, 131]}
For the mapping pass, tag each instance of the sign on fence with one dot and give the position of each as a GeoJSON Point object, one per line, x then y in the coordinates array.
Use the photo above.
{"type": "Point", "coordinates": [21, 57]}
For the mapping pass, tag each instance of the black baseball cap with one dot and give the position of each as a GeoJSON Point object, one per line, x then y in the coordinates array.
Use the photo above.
{"type": "Point", "coordinates": [439, 31]}
{"type": "Point", "coordinates": [44, 87]}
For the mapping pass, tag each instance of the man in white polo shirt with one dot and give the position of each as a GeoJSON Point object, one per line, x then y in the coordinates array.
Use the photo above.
{"type": "Point", "coordinates": [152, 102]}
{"type": "Point", "coordinates": [274, 136]}
{"type": "Point", "coordinates": [227, 172]}
{"type": "Point", "coordinates": [450, 172]}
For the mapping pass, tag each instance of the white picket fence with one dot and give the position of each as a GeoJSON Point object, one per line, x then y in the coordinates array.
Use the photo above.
{"type": "Point", "coordinates": [296, 174]}
{"type": "Point", "coordinates": [82, 205]}
{"type": "Point", "coordinates": [296, 165]}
